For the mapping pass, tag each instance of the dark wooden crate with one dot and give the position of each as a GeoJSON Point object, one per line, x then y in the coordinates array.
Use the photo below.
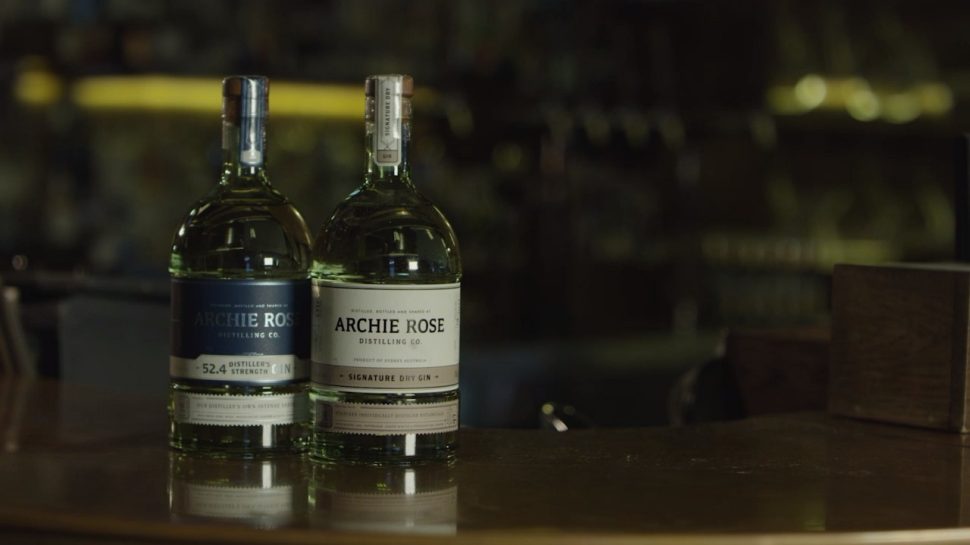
{"type": "Point", "coordinates": [780, 370]}
{"type": "Point", "coordinates": [899, 344]}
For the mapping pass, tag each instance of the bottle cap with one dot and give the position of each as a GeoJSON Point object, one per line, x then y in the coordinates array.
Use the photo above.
{"type": "Point", "coordinates": [407, 84]}
{"type": "Point", "coordinates": [245, 96]}
{"type": "Point", "coordinates": [245, 101]}
{"type": "Point", "coordinates": [391, 83]}
{"type": "Point", "coordinates": [387, 105]}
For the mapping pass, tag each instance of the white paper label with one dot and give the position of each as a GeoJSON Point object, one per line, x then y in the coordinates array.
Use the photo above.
{"type": "Point", "coordinates": [387, 130]}
{"type": "Point", "coordinates": [229, 410]}
{"type": "Point", "coordinates": [380, 338]}
{"type": "Point", "coordinates": [378, 419]}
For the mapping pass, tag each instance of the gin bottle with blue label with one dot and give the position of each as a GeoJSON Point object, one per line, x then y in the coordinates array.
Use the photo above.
{"type": "Point", "coordinates": [240, 301]}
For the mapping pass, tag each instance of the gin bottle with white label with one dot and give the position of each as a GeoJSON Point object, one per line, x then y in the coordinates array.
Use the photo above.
{"type": "Point", "coordinates": [385, 281]}
{"type": "Point", "coordinates": [239, 362]}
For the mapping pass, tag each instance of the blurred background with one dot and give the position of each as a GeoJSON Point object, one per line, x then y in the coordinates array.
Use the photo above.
{"type": "Point", "coordinates": [629, 180]}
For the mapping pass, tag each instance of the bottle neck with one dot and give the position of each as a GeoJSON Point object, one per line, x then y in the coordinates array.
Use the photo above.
{"type": "Point", "coordinates": [383, 172]}
{"type": "Point", "coordinates": [387, 122]}
{"type": "Point", "coordinates": [244, 150]}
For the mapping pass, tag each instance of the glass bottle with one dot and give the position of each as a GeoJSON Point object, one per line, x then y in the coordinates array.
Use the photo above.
{"type": "Point", "coordinates": [240, 301]}
{"type": "Point", "coordinates": [386, 282]}
{"type": "Point", "coordinates": [419, 499]}
{"type": "Point", "coordinates": [262, 493]}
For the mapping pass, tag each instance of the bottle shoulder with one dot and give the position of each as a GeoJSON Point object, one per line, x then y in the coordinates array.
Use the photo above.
{"type": "Point", "coordinates": [379, 209]}
{"type": "Point", "coordinates": [387, 236]}
{"type": "Point", "coordinates": [241, 234]}
{"type": "Point", "coordinates": [232, 206]}
{"type": "Point", "coordinates": [253, 192]}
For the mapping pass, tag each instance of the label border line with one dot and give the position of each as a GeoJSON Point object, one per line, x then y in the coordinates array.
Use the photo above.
{"type": "Point", "coordinates": [388, 287]}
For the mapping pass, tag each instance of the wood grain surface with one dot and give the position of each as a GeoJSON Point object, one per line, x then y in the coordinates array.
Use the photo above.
{"type": "Point", "coordinates": [86, 466]}
{"type": "Point", "coordinates": [899, 344]}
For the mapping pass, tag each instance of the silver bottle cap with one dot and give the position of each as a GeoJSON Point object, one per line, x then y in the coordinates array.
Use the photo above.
{"type": "Point", "coordinates": [245, 103]}
{"type": "Point", "coordinates": [245, 96]}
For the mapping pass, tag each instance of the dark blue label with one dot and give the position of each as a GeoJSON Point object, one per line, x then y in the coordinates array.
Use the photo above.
{"type": "Point", "coordinates": [240, 317]}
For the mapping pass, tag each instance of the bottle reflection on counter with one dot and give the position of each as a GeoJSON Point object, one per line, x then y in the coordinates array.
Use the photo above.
{"type": "Point", "coordinates": [420, 499]}
{"type": "Point", "coordinates": [266, 493]}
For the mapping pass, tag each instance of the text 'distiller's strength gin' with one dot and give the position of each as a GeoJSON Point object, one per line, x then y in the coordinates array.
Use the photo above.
{"type": "Point", "coordinates": [385, 274]}
{"type": "Point", "coordinates": [240, 301]}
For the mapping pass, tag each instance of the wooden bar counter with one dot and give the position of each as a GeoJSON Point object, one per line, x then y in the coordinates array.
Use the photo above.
{"type": "Point", "coordinates": [84, 466]}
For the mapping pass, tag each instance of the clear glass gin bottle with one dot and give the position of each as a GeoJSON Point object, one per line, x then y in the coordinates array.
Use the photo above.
{"type": "Point", "coordinates": [240, 301]}
{"type": "Point", "coordinates": [385, 281]}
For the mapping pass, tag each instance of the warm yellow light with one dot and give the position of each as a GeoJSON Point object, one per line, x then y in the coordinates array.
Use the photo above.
{"type": "Point", "coordinates": [863, 104]}
{"type": "Point", "coordinates": [820, 253]}
{"type": "Point", "coordinates": [832, 251]}
{"type": "Point", "coordinates": [781, 100]}
{"type": "Point", "coordinates": [935, 98]}
{"type": "Point", "coordinates": [165, 93]}
{"type": "Point", "coordinates": [317, 100]}
{"type": "Point", "coordinates": [810, 91]}
{"type": "Point", "coordinates": [37, 87]}
{"type": "Point", "coordinates": [901, 107]}
{"type": "Point", "coordinates": [148, 93]}
{"type": "Point", "coordinates": [841, 90]}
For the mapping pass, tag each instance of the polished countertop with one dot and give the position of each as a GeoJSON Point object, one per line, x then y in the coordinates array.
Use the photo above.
{"type": "Point", "coordinates": [81, 465]}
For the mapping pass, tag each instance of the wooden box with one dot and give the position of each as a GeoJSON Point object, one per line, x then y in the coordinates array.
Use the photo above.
{"type": "Point", "coordinates": [780, 370]}
{"type": "Point", "coordinates": [899, 344]}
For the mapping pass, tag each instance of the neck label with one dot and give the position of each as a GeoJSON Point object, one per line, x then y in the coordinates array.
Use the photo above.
{"type": "Point", "coordinates": [251, 140]}
{"type": "Point", "coordinates": [387, 132]}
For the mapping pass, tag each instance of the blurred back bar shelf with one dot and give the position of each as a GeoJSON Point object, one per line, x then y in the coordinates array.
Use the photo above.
{"type": "Point", "coordinates": [618, 172]}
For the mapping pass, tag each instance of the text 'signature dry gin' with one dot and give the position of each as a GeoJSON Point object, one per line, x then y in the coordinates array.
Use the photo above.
{"type": "Point", "coordinates": [385, 281]}
{"type": "Point", "coordinates": [240, 301]}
